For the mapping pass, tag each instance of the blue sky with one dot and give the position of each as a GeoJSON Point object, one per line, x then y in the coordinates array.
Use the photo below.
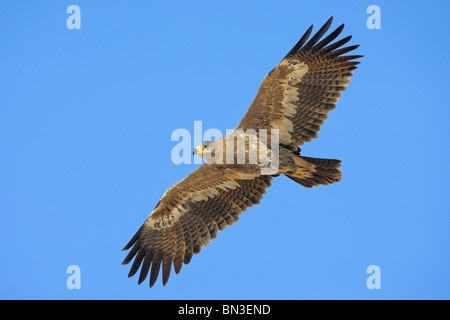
{"type": "Point", "coordinates": [86, 118]}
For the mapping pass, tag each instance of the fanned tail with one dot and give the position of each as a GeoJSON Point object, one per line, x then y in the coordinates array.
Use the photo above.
{"type": "Point", "coordinates": [315, 172]}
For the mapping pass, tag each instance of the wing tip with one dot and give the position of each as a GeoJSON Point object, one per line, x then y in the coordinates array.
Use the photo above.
{"type": "Point", "coordinates": [323, 45]}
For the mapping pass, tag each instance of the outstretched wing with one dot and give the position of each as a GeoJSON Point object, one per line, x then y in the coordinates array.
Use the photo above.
{"type": "Point", "coordinates": [297, 95]}
{"type": "Point", "coordinates": [188, 216]}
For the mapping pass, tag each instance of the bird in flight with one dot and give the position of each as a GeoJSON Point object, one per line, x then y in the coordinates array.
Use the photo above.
{"type": "Point", "coordinates": [291, 104]}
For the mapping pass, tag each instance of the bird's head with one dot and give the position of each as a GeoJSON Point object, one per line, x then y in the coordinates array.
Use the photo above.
{"type": "Point", "coordinates": [203, 149]}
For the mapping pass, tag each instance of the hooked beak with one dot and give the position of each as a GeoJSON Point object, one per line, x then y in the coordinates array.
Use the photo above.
{"type": "Point", "coordinates": [198, 150]}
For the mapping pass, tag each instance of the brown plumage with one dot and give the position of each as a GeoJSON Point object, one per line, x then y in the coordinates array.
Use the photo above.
{"type": "Point", "coordinates": [294, 98]}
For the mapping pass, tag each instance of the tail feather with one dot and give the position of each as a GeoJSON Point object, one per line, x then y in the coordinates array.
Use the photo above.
{"type": "Point", "coordinates": [322, 172]}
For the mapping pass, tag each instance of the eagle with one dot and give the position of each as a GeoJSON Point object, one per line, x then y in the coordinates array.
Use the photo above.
{"type": "Point", "coordinates": [291, 104]}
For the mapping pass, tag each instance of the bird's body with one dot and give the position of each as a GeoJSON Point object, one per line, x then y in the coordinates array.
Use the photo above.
{"type": "Point", "coordinates": [291, 104]}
